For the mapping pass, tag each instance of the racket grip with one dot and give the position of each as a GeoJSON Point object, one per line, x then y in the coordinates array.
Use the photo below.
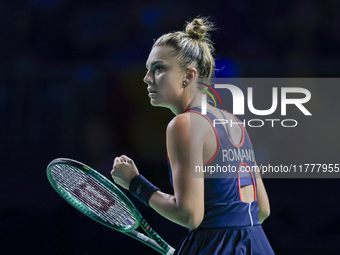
{"type": "Point", "coordinates": [150, 242]}
{"type": "Point", "coordinates": [141, 188]}
{"type": "Point", "coordinates": [153, 243]}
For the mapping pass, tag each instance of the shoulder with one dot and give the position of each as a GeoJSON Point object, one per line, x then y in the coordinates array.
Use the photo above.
{"type": "Point", "coordinates": [188, 130]}
{"type": "Point", "coordinates": [180, 122]}
{"type": "Point", "coordinates": [178, 129]}
{"type": "Point", "coordinates": [187, 123]}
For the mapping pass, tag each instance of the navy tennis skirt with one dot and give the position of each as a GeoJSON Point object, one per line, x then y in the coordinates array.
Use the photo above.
{"type": "Point", "coordinates": [237, 240]}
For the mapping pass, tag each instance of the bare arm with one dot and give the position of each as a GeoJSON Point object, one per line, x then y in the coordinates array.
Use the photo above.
{"type": "Point", "coordinates": [262, 197]}
{"type": "Point", "coordinates": [186, 206]}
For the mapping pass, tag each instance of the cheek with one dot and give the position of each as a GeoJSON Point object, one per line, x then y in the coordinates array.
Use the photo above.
{"type": "Point", "coordinates": [172, 87]}
{"type": "Point", "coordinates": [170, 84]}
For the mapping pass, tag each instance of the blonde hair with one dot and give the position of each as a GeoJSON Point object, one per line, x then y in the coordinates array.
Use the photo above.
{"type": "Point", "coordinates": [192, 46]}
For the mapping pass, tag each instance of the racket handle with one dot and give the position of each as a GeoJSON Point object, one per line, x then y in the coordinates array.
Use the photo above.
{"type": "Point", "coordinates": [171, 251]}
{"type": "Point", "coordinates": [148, 241]}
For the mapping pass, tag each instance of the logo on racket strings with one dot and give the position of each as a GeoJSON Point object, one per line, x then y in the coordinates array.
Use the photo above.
{"type": "Point", "coordinates": [92, 196]}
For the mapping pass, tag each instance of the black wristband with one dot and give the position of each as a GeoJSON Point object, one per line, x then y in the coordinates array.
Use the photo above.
{"type": "Point", "coordinates": [141, 188]}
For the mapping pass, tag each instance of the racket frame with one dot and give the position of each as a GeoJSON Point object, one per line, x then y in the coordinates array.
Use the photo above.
{"type": "Point", "coordinates": [154, 240]}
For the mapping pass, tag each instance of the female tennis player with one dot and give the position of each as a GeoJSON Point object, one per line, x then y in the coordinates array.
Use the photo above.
{"type": "Point", "coordinates": [224, 215]}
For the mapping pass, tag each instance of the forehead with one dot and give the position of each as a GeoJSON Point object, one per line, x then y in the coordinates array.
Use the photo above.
{"type": "Point", "coordinates": [161, 53]}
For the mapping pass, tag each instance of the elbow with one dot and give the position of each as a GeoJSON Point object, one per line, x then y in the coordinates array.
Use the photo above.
{"type": "Point", "coordinates": [188, 215]}
{"type": "Point", "coordinates": [194, 222]}
{"type": "Point", "coordinates": [190, 220]}
{"type": "Point", "coordinates": [264, 213]}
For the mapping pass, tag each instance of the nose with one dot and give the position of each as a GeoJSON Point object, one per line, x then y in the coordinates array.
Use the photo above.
{"type": "Point", "coordinates": [147, 78]}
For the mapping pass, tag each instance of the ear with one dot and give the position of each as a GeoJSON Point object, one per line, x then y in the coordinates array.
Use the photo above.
{"type": "Point", "coordinates": [190, 74]}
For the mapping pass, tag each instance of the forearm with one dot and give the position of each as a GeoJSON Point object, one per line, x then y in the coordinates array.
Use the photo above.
{"type": "Point", "coordinates": [187, 209]}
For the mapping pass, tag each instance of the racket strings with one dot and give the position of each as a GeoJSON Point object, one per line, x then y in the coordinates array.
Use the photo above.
{"type": "Point", "coordinates": [94, 195]}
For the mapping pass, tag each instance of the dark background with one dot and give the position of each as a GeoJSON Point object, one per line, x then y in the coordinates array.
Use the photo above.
{"type": "Point", "coordinates": [71, 86]}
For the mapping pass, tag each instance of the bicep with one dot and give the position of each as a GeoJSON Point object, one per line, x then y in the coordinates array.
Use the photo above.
{"type": "Point", "coordinates": [185, 153]}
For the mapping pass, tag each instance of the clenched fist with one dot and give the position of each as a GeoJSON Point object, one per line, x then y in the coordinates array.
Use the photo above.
{"type": "Point", "coordinates": [123, 170]}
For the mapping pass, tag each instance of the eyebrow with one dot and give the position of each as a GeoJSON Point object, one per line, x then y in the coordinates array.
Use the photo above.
{"type": "Point", "coordinates": [154, 63]}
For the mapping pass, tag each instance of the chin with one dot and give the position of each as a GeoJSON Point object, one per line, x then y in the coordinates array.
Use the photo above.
{"type": "Point", "coordinates": [155, 103]}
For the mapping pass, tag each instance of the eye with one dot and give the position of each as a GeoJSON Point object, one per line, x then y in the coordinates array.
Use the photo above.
{"type": "Point", "coordinates": [159, 68]}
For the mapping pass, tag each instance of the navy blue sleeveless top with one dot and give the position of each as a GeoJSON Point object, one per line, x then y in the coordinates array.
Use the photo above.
{"type": "Point", "coordinates": [222, 197]}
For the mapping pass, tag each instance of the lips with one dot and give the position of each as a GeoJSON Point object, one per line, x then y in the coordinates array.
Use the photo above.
{"type": "Point", "coordinates": [151, 91]}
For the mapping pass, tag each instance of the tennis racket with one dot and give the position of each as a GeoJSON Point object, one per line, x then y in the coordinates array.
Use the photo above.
{"type": "Point", "coordinates": [101, 200]}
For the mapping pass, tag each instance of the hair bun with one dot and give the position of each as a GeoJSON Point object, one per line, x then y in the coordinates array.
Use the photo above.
{"type": "Point", "coordinates": [197, 29]}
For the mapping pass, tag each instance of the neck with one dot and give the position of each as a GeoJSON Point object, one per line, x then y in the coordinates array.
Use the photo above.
{"type": "Point", "coordinates": [185, 105]}
{"type": "Point", "coordinates": [179, 109]}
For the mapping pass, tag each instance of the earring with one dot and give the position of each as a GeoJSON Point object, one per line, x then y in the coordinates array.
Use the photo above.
{"type": "Point", "coordinates": [184, 83]}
